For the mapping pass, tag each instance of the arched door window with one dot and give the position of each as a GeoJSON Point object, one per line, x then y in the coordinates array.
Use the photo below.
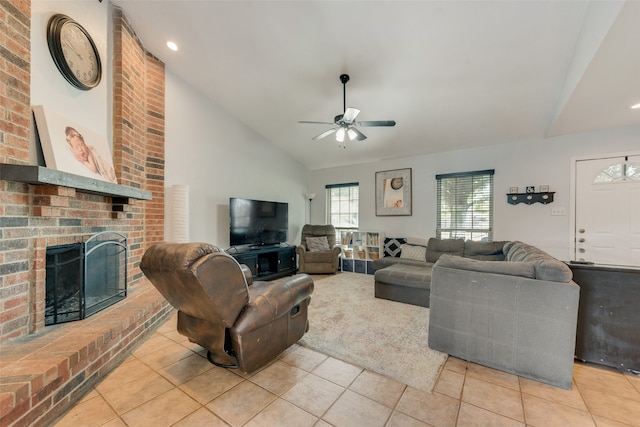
{"type": "Point", "coordinates": [618, 173]}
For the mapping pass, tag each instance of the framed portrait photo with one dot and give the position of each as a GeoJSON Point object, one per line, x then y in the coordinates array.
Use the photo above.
{"type": "Point", "coordinates": [393, 192]}
{"type": "Point", "coordinates": [72, 147]}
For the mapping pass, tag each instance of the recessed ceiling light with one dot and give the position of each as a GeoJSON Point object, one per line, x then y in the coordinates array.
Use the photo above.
{"type": "Point", "coordinates": [171, 45]}
{"type": "Point", "coordinates": [635, 106]}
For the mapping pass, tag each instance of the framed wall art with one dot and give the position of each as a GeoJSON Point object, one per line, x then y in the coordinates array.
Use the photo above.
{"type": "Point", "coordinates": [71, 147]}
{"type": "Point", "coordinates": [393, 192]}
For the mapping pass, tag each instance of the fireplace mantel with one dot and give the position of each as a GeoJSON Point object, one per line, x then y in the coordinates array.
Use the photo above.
{"type": "Point", "coordinates": [39, 175]}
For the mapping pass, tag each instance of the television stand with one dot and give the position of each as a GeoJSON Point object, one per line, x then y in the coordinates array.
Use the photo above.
{"type": "Point", "coordinates": [269, 262]}
{"type": "Point", "coordinates": [260, 247]}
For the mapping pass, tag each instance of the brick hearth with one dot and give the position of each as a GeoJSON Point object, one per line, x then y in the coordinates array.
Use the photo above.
{"type": "Point", "coordinates": [46, 372]}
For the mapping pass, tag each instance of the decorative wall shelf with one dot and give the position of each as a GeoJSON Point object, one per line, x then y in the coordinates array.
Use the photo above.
{"type": "Point", "coordinates": [530, 198]}
{"type": "Point", "coordinates": [39, 175]}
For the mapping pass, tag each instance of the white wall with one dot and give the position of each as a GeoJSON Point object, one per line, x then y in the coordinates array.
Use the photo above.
{"type": "Point", "coordinates": [536, 162]}
{"type": "Point", "coordinates": [49, 88]}
{"type": "Point", "coordinates": [218, 157]}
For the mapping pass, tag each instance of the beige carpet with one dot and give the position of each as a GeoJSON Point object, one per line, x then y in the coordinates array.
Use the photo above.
{"type": "Point", "coordinates": [387, 337]}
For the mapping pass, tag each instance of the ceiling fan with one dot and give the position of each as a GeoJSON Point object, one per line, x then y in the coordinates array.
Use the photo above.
{"type": "Point", "coordinates": [345, 124]}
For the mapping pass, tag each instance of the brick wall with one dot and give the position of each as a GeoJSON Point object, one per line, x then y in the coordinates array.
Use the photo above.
{"type": "Point", "coordinates": [15, 111]}
{"type": "Point", "coordinates": [139, 88]}
{"type": "Point", "coordinates": [33, 217]}
{"type": "Point", "coordinates": [15, 265]}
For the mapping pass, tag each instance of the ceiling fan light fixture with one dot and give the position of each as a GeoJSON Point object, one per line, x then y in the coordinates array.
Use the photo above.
{"type": "Point", "coordinates": [343, 122]}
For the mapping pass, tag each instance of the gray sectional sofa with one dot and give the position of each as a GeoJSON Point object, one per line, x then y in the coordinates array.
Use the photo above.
{"type": "Point", "coordinates": [409, 280]}
{"type": "Point", "coordinates": [515, 311]}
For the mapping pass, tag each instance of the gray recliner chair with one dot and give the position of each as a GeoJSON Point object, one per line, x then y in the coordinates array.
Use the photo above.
{"type": "Point", "coordinates": [318, 262]}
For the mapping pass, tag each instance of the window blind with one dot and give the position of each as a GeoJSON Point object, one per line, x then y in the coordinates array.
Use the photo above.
{"type": "Point", "coordinates": [465, 205]}
{"type": "Point", "coordinates": [342, 204]}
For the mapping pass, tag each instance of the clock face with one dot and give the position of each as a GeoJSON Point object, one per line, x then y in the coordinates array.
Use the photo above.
{"type": "Point", "coordinates": [79, 53]}
{"type": "Point", "coordinates": [74, 52]}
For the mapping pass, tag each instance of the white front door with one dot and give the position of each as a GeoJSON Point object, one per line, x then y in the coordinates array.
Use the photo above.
{"type": "Point", "coordinates": [608, 211]}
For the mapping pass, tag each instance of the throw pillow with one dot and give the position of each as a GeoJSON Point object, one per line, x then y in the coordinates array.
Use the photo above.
{"type": "Point", "coordinates": [413, 252]}
{"type": "Point", "coordinates": [392, 246]}
{"type": "Point", "coordinates": [318, 244]}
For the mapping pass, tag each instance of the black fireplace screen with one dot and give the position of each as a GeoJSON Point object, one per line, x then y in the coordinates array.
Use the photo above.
{"type": "Point", "coordinates": [84, 278]}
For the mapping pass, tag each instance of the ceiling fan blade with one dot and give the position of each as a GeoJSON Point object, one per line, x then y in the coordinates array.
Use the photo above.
{"type": "Point", "coordinates": [360, 136]}
{"type": "Point", "coordinates": [377, 123]}
{"type": "Point", "coordinates": [324, 134]}
{"type": "Point", "coordinates": [350, 115]}
{"type": "Point", "coordinates": [318, 123]}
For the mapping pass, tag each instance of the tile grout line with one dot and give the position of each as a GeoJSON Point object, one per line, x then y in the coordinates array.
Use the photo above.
{"type": "Point", "coordinates": [524, 410]}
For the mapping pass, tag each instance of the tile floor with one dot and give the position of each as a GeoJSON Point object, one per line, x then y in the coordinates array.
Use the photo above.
{"type": "Point", "coordinates": [168, 381]}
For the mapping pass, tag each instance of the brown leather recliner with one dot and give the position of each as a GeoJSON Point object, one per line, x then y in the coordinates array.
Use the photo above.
{"type": "Point", "coordinates": [318, 262]}
{"type": "Point", "coordinates": [243, 324]}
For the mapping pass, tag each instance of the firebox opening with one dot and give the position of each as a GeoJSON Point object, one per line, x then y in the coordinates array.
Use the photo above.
{"type": "Point", "coordinates": [84, 278]}
{"type": "Point", "coordinates": [63, 283]}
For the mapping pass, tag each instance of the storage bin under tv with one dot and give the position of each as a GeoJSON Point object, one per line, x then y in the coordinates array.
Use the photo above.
{"type": "Point", "coordinates": [267, 263]}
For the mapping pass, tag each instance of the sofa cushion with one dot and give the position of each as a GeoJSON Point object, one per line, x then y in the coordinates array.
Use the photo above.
{"type": "Point", "coordinates": [318, 244]}
{"type": "Point", "coordinates": [486, 251]}
{"type": "Point", "coordinates": [378, 264]}
{"type": "Point", "coordinates": [437, 247]}
{"type": "Point", "coordinates": [319, 257]}
{"type": "Point", "coordinates": [392, 246]}
{"type": "Point", "coordinates": [511, 268]}
{"type": "Point", "coordinates": [411, 276]}
{"type": "Point", "coordinates": [553, 270]}
{"type": "Point", "coordinates": [546, 267]}
{"type": "Point", "coordinates": [518, 251]}
{"type": "Point", "coordinates": [413, 252]}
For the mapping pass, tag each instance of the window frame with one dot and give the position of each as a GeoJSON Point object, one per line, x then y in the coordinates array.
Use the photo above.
{"type": "Point", "coordinates": [461, 225]}
{"type": "Point", "coordinates": [350, 200]}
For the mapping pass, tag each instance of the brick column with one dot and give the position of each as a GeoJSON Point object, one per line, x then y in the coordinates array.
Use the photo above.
{"type": "Point", "coordinates": [138, 121]}
{"type": "Point", "coordinates": [15, 134]}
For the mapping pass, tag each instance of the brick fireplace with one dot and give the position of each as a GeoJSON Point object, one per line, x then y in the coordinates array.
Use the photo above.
{"type": "Point", "coordinates": [40, 375]}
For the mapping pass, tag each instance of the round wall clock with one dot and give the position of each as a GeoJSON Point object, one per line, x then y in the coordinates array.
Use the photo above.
{"type": "Point", "coordinates": [74, 52]}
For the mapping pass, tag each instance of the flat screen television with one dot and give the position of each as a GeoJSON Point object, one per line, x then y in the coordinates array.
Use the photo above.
{"type": "Point", "coordinates": [257, 222]}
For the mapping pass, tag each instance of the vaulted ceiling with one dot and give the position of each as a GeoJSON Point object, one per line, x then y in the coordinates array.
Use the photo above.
{"type": "Point", "coordinates": [452, 74]}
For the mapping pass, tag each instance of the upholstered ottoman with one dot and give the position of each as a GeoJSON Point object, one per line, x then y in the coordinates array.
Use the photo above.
{"type": "Point", "coordinates": [410, 284]}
